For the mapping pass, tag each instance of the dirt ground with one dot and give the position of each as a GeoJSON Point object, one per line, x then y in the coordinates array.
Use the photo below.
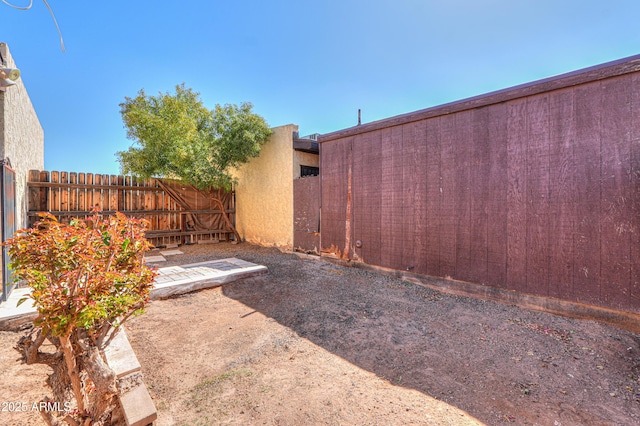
{"type": "Point", "coordinates": [314, 343]}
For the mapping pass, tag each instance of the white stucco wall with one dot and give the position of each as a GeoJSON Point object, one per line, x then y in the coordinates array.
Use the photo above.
{"type": "Point", "coordinates": [21, 136]}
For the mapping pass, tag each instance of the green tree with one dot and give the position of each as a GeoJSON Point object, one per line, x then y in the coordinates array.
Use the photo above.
{"type": "Point", "coordinates": [176, 136]}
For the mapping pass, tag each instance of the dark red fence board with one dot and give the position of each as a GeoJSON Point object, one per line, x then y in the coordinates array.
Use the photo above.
{"type": "Point", "coordinates": [334, 196]}
{"type": "Point", "coordinates": [537, 225]}
{"type": "Point", "coordinates": [367, 197]}
{"type": "Point", "coordinates": [478, 182]}
{"type": "Point", "coordinates": [562, 171]}
{"type": "Point", "coordinates": [615, 216]}
{"type": "Point", "coordinates": [497, 196]}
{"type": "Point", "coordinates": [448, 196]}
{"type": "Point", "coordinates": [462, 189]}
{"type": "Point", "coordinates": [431, 197]}
{"type": "Point", "coordinates": [306, 214]}
{"type": "Point", "coordinates": [634, 191]}
{"type": "Point", "coordinates": [397, 201]}
{"type": "Point", "coordinates": [588, 107]}
{"type": "Point", "coordinates": [387, 201]}
{"type": "Point", "coordinates": [517, 194]}
{"type": "Point", "coordinates": [409, 180]}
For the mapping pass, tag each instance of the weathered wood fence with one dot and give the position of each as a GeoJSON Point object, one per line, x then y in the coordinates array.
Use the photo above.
{"type": "Point", "coordinates": [306, 214]}
{"type": "Point", "coordinates": [534, 189]}
{"type": "Point", "coordinates": [177, 213]}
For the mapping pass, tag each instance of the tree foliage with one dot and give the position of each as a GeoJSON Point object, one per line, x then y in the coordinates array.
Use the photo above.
{"type": "Point", "coordinates": [176, 136]}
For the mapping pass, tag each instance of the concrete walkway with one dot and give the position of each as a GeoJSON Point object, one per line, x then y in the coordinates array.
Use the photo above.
{"type": "Point", "coordinates": [171, 281]}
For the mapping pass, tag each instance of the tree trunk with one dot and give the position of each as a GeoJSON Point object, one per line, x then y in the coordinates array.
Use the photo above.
{"type": "Point", "coordinates": [47, 416]}
{"type": "Point", "coordinates": [29, 347]}
{"type": "Point", "coordinates": [218, 200]}
{"type": "Point", "coordinates": [103, 378]}
{"type": "Point", "coordinates": [72, 370]}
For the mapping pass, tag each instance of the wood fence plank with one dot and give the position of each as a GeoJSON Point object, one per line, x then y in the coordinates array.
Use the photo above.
{"type": "Point", "coordinates": [149, 202]}
{"type": "Point", "coordinates": [635, 195]}
{"type": "Point", "coordinates": [420, 201]}
{"type": "Point", "coordinates": [82, 193]}
{"type": "Point", "coordinates": [397, 242]}
{"type": "Point", "coordinates": [34, 193]}
{"type": "Point", "coordinates": [98, 199]}
{"type": "Point", "coordinates": [127, 195]}
{"type": "Point", "coordinates": [407, 224]}
{"type": "Point", "coordinates": [44, 192]}
{"type": "Point", "coordinates": [479, 182]}
{"type": "Point", "coordinates": [448, 144]}
{"type": "Point", "coordinates": [517, 194]}
{"type": "Point", "coordinates": [73, 192]}
{"type": "Point", "coordinates": [537, 225]}
{"type": "Point", "coordinates": [463, 199]}
{"type": "Point", "coordinates": [64, 192]}
{"type": "Point", "coordinates": [562, 170]}
{"type": "Point", "coordinates": [588, 156]}
{"type": "Point", "coordinates": [161, 222]}
{"type": "Point", "coordinates": [115, 200]}
{"type": "Point", "coordinates": [54, 199]}
{"type": "Point", "coordinates": [497, 196]}
{"type": "Point", "coordinates": [88, 194]}
{"type": "Point", "coordinates": [107, 196]}
{"type": "Point", "coordinates": [616, 222]}
{"type": "Point", "coordinates": [367, 158]}
{"type": "Point", "coordinates": [97, 192]}
{"type": "Point", "coordinates": [386, 202]}
{"type": "Point", "coordinates": [431, 177]}
{"type": "Point", "coordinates": [137, 195]}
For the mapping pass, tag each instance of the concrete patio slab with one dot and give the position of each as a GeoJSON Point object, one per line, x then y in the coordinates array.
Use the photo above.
{"type": "Point", "coordinates": [176, 280]}
{"type": "Point", "coordinates": [171, 252]}
{"type": "Point", "coordinates": [171, 281]}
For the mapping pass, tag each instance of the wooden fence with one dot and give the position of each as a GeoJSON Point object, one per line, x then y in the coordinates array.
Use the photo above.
{"type": "Point", "coordinates": [535, 189]}
{"type": "Point", "coordinates": [177, 213]}
{"type": "Point", "coordinates": [306, 214]}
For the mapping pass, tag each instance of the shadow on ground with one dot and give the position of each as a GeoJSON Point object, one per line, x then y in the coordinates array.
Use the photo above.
{"type": "Point", "coordinates": [498, 363]}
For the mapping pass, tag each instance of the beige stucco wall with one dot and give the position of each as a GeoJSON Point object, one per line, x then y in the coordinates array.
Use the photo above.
{"type": "Point", "coordinates": [21, 136]}
{"type": "Point", "coordinates": [303, 159]}
{"type": "Point", "coordinates": [264, 192]}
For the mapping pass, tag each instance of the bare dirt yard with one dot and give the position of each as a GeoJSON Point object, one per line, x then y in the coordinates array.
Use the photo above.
{"type": "Point", "coordinates": [315, 343]}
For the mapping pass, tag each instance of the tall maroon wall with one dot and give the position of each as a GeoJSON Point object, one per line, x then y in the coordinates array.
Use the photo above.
{"type": "Point", "coordinates": [534, 189]}
{"type": "Point", "coordinates": [306, 214]}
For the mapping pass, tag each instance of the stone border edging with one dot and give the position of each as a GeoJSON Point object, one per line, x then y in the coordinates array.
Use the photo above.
{"type": "Point", "coordinates": [137, 406]}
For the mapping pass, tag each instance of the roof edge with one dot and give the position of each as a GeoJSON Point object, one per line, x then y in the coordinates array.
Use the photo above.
{"type": "Point", "coordinates": [598, 72]}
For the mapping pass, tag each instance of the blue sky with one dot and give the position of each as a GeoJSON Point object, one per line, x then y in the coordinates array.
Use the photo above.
{"type": "Point", "coordinates": [310, 63]}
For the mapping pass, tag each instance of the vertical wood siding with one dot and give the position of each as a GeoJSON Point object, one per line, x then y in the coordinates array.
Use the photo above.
{"type": "Point", "coordinates": [539, 194]}
{"type": "Point", "coordinates": [69, 194]}
{"type": "Point", "coordinates": [306, 214]}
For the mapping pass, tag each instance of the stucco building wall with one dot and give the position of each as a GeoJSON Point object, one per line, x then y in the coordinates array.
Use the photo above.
{"type": "Point", "coordinates": [304, 159]}
{"type": "Point", "coordinates": [264, 192]}
{"type": "Point", "coordinates": [21, 136]}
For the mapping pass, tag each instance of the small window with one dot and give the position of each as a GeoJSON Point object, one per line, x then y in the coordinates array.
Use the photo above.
{"type": "Point", "coordinates": [309, 171]}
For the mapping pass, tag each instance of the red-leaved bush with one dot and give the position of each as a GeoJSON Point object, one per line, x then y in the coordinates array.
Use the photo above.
{"type": "Point", "coordinates": [86, 279]}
